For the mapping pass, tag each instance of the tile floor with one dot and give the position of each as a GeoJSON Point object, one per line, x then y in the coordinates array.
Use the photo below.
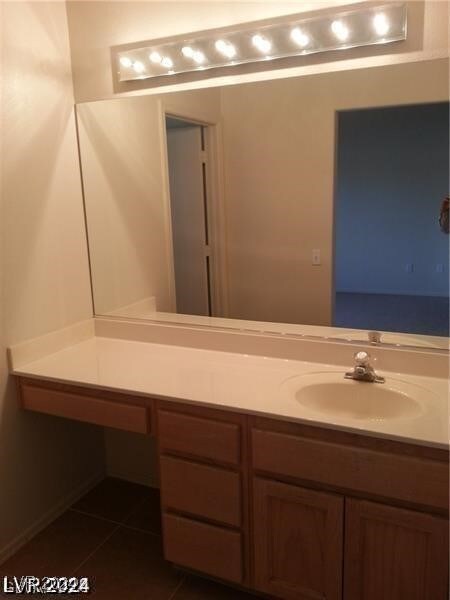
{"type": "Point", "coordinates": [113, 536]}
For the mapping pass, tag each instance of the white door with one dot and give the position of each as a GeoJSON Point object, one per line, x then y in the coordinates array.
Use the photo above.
{"type": "Point", "coordinates": [189, 220]}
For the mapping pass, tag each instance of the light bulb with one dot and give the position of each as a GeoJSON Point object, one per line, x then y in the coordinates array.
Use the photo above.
{"type": "Point", "coordinates": [299, 37]}
{"type": "Point", "coordinates": [198, 56]}
{"type": "Point", "coordinates": [126, 62]}
{"type": "Point", "coordinates": [187, 51]}
{"type": "Point", "coordinates": [381, 24]}
{"type": "Point", "coordinates": [155, 57]}
{"type": "Point", "coordinates": [340, 30]}
{"type": "Point", "coordinates": [138, 66]}
{"type": "Point", "coordinates": [225, 48]}
{"type": "Point", "coordinates": [167, 62]}
{"type": "Point", "coordinates": [262, 43]}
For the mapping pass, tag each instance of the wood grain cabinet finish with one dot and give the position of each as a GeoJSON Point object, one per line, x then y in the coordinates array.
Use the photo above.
{"type": "Point", "coordinates": [201, 490]}
{"type": "Point", "coordinates": [204, 490]}
{"type": "Point", "coordinates": [413, 479]}
{"type": "Point", "coordinates": [298, 541]}
{"type": "Point", "coordinates": [107, 409]}
{"type": "Point", "coordinates": [222, 472]}
{"type": "Point", "coordinates": [199, 437]}
{"type": "Point", "coordinates": [202, 547]}
{"type": "Point", "coordinates": [394, 554]}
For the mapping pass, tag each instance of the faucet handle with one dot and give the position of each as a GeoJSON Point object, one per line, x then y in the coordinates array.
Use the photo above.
{"type": "Point", "coordinates": [362, 358]}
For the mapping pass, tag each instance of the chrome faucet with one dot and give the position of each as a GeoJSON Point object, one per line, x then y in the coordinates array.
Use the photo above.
{"type": "Point", "coordinates": [363, 370]}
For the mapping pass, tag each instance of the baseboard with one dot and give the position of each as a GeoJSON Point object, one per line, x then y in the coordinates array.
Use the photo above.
{"type": "Point", "coordinates": [57, 510]}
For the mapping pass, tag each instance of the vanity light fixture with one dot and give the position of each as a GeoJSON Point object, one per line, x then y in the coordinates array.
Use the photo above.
{"type": "Point", "coordinates": [340, 30]}
{"type": "Point", "coordinates": [299, 37]}
{"type": "Point", "coordinates": [199, 57]}
{"type": "Point", "coordinates": [187, 51]}
{"type": "Point", "coordinates": [381, 24]}
{"type": "Point", "coordinates": [196, 55]}
{"type": "Point", "coordinates": [155, 57]}
{"type": "Point", "coordinates": [292, 35]}
{"type": "Point", "coordinates": [167, 62]}
{"type": "Point", "coordinates": [261, 43]}
{"type": "Point", "coordinates": [225, 48]}
{"type": "Point", "coordinates": [126, 62]}
{"type": "Point", "coordinates": [138, 66]}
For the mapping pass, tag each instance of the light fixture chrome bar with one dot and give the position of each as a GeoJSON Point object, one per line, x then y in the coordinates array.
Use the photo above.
{"type": "Point", "coordinates": [293, 35]}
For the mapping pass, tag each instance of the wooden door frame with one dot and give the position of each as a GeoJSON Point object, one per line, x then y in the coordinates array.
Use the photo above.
{"type": "Point", "coordinates": [216, 206]}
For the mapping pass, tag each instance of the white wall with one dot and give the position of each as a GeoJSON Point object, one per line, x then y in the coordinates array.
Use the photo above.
{"type": "Point", "coordinates": [44, 268]}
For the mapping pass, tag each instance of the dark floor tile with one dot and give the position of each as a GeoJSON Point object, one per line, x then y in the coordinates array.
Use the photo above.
{"type": "Point", "coordinates": [60, 548]}
{"type": "Point", "coordinates": [196, 588]}
{"type": "Point", "coordinates": [112, 499]}
{"type": "Point", "coordinates": [147, 515]}
{"type": "Point", "coordinates": [130, 565]}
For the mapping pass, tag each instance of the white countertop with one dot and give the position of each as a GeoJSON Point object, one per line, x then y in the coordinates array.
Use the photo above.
{"type": "Point", "coordinates": [246, 383]}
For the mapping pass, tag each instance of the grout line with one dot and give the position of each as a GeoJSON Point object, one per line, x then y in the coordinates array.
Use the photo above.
{"type": "Point", "coordinates": [177, 589]}
{"type": "Point", "coordinates": [95, 549]}
{"type": "Point", "coordinates": [119, 523]}
{"type": "Point", "coordinates": [152, 533]}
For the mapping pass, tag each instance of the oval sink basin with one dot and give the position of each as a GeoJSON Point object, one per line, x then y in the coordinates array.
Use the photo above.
{"type": "Point", "coordinates": [331, 394]}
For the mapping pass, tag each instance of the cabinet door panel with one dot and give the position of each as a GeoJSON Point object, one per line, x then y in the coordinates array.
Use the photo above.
{"type": "Point", "coordinates": [394, 554]}
{"type": "Point", "coordinates": [298, 542]}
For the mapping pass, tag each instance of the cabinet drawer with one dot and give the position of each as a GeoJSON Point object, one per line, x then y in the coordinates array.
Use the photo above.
{"type": "Point", "coordinates": [206, 548]}
{"type": "Point", "coordinates": [198, 437]}
{"type": "Point", "coordinates": [201, 490]}
{"type": "Point", "coordinates": [83, 407]}
{"type": "Point", "coordinates": [416, 480]}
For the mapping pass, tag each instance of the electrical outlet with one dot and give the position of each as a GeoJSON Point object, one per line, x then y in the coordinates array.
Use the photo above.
{"type": "Point", "coordinates": [410, 268]}
{"type": "Point", "coordinates": [316, 260]}
{"type": "Point", "coordinates": [440, 268]}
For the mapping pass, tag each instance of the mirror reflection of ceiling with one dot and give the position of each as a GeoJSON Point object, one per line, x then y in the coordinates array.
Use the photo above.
{"type": "Point", "coordinates": [264, 155]}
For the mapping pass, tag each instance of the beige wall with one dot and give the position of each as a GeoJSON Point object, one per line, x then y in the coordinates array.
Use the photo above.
{"type": "Point", "coordinates": [97, 25]}
{"type": "Point", "coordinates": [279, 152]}
{"type": "Point", "coordinates": [43, 269]}
{"type": "Point", "coordinates": [126, 213]}
{"type": "Point", "coordinates": [123, 154]}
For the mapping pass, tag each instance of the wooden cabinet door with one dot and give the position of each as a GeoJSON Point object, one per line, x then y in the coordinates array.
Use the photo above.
{"type": "Point", "coordinates": [298, 542]}
{"type": "Point", "coordinates": [394, 554]}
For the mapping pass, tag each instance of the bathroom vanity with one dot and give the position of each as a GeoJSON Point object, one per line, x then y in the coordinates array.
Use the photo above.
{"type": "Point", "coordinates": [256, 491]}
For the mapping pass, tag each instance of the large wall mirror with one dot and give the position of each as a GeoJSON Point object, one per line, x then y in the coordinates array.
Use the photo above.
{"type": "Point", "coordinates": [306, 205]}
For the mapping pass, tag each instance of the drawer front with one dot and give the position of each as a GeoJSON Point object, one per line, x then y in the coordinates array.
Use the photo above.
{"type": "Point", "coordinates": [205, 548]}
{"type": "Point", "coordinates": [197, 437]}
{"type": "Point", "coordinates": [89, 409]}
{"type": "Point", "coordinates": [416, 480]}
{"type": "Point", "coordinates": [201, 490]}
